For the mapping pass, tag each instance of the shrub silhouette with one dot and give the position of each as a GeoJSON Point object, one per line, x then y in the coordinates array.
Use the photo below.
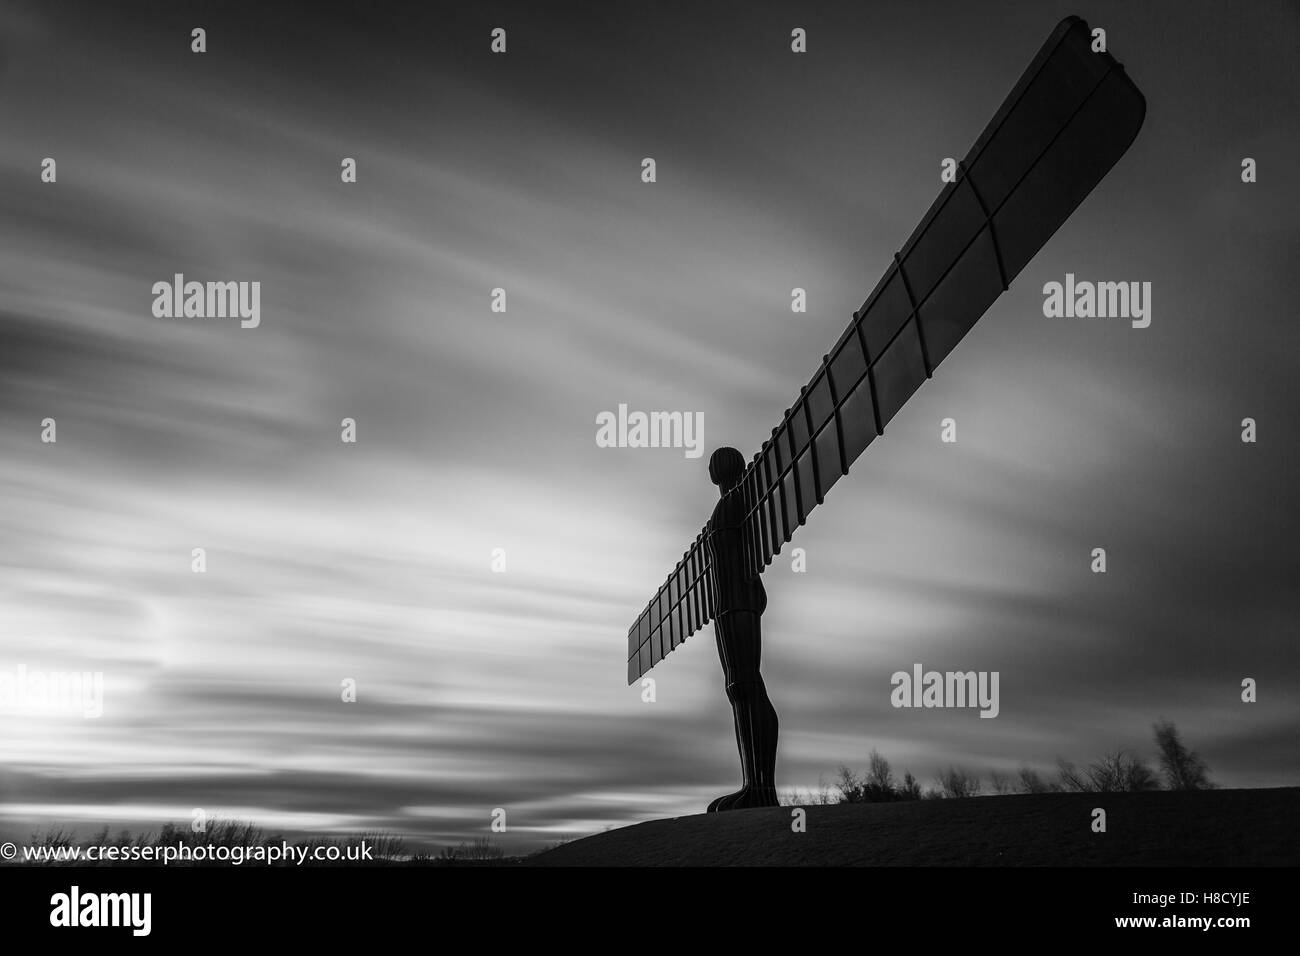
{"type": "Point", "coordinates": [911, 790]}
{"type": "Point", "coordinates": [877, 786]}
{"type": "Point", "coordinates": [957, 782]}
{"type": "Point", "coordinates": [1121, 772]}
{"type": "Point", "coordinates": [1116, 772]}
{"type": "Point", "coordinates": [1183, 768]}
{"type": "Point", "coordinates": [1031, 781]}
{"type": "Point", "coordinates": [480, 850]}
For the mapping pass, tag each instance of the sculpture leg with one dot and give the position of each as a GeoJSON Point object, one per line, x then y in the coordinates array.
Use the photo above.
{"type": "Point", "coordinates": [758, 731]}
{"type": "Point", "coordinates": [740, 649]}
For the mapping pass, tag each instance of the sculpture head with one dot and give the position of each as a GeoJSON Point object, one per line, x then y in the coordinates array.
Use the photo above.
{"type": "Point", "coordinates": [726, 465]}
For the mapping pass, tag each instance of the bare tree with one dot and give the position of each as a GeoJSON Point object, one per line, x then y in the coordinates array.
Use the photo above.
{"type": "Point", "coordinates": [999, 782]}
{"type": "Point", "coordinates": [823, 791]}
{"type": "Point", "coordinates": [956, 782]}
{"type": "Point", "coordinates": [1183, 768]}
{"type": "Point", "coordinates": [849, 786]}
{"type": "Point", "coordinates": [910, 790]}
{"type": "Point", "coordinates": [1031, 781]}
{"type": "Point", "coordinates": [880, 774]}
{"type": "Point", "coordinates": [1069, 777]}
{"type": "Point", "coordinates": [1119, 772]}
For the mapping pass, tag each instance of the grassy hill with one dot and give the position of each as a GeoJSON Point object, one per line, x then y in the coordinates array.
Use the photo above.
{"type": "Point", "coordinates": [1197, 828]}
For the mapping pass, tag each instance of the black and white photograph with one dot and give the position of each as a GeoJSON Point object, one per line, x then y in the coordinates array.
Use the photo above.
{"type": "Point", "coordinates": [443, 442]}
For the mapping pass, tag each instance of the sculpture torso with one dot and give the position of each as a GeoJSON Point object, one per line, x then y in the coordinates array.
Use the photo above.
{"type": "Point", "coordinates": [731, 588]}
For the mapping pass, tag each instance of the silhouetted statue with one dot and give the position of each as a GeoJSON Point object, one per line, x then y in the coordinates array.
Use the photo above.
{"type": "Point", "coordinates": [738, 604]}
{"type": "Point", "coordinates": [1070, 117]}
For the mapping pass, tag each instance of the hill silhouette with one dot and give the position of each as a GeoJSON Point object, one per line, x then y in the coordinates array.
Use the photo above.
{"type": "Point", "coordinates": [1163, 828]}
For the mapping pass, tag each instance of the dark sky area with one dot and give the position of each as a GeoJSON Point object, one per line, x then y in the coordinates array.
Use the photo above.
{"type": "Point", "coordinates": [476, 430]}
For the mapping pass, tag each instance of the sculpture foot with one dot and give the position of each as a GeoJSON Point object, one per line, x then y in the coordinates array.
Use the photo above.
{"type": "Point", "coordinates": [724, 802]}
{"type": "Point", "coordinates": [750, 797]}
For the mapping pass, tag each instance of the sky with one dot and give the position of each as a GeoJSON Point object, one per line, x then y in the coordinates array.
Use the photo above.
{"type": "Point", "coordinates": [373, 561]}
